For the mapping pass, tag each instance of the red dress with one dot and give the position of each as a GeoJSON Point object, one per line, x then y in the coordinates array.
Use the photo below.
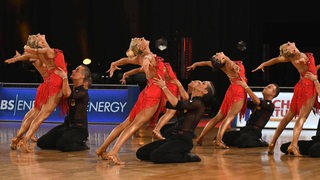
{"type": "Point", "coordinates": [53, 83]}
{"type": "Point", "coordinates": [304, 88]}
{"type": "Point", "coordinates": [150, 95]}
{"type": "Point", "coordinates": [235, 93]}
{"type": "Point", "coordinates": [42, 93]}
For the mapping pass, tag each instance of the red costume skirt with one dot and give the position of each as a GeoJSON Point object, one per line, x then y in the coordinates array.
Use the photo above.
{"type": "Point", "coordinates": [303, 90]}
{"type": "Point", "coordinates": [234, 94]}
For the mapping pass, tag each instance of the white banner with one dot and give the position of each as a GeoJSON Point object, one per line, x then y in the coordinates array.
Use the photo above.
{"type": "Point", "coordinates": [282, 105]}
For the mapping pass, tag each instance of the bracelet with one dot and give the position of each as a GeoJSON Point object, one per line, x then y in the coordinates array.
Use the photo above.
{"type": "Point", "coordinates": [316, 81]}
{"type": "Point", "coordinates": [64, 78]}
{"type": "Point", "coordinates": [247, 87]}
{"type": "Point", "coordinates": [163, 87]}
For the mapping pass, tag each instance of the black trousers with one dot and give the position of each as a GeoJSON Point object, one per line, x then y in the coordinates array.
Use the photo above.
{"type": "Point", "coordinates": [174, 149]}
{"type": "Point", "coordinates": [64, 138]}
{"type": "Point", "coordinates": [244, 138]}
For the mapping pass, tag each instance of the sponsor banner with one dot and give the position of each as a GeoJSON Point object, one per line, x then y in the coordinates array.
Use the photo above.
{"type": "Point", "coordinates": [282, 105]}
{"type": "Point", "coordinates": [105, 105]}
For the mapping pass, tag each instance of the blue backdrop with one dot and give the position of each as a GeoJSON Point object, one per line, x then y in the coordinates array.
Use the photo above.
{"type": "Point", "coordinates": [105, 105]}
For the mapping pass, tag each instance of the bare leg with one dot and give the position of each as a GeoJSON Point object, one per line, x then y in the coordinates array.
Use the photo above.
{"type": "Point", "coordinates": [101, 151]}
{"type": "Point", "coordinates": [162, 121]}
{"type": "Point", "coordinates": [303, 115]}
{"type": "Point", "coordinates": [211, 124]}
{"type": "Point", "coordinates": [283, 123]}
{"type": "Point", "coordinates": [44, 113]}
{"type": "Point", "coordinates": [30, 115]}
{"type": "Point", "coordinates": [142, 118]}
{"type": "Point", "coordinates": [234, 110]}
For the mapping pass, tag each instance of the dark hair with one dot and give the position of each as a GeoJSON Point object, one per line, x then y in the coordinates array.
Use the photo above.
{"type": "Point", "coordinates": [87, 75]}
{"type": "Point", "coordinates": [277, 89]}
{"type": "Point", "coordinates": [207, 98]}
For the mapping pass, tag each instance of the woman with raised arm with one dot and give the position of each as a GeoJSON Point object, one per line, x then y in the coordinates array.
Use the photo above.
{"type": "Point", "coordinates": [147, 106]}
{"type": "Point", "coordinates": [41, 93]}
{"type": "Point", "coordinates": [304, 94]}
{"type": "Point", "coordinates": [235, 98]}
{"type": "Point", "coordinates": [53, 59]}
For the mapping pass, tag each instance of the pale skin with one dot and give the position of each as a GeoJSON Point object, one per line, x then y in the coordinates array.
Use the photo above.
{"type": "Point", "coordinates": [46, 56]}
{"type": "Point", "coordinates": [298, 60]}
{"type": "Point", "coordinates": [231, 70]}
{"type": "Point", "coordinates": [128, 127]}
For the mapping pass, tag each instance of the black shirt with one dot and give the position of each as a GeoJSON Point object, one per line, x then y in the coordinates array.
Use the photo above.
{"type": "Point", "coordinates": [192, 113]}
{"type": "Point", "coordinates": [260, 113]}
{"type": "Point", "coordinates": [78, 102]}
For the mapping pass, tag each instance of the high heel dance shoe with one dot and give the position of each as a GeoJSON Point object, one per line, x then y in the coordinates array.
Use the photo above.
{"type": "Point", "coordinates": [114, 160]}
{"type": "Point", "coordinates": [294, 150]}
{"type": "Point", "coordinates": [219, 145]}
{"type": "Point", "coordinates": [14, 143]}
{"type": "Point", "coordinates": [271, 149]}
{"type": "Point", "coordinates": [102, 154]}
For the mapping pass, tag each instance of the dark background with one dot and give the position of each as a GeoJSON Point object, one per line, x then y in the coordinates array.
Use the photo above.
{"type": "Point", "coordinates": [101, 30]}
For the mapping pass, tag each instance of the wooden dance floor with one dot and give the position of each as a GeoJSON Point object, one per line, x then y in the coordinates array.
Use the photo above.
{"type": "Point", "coordinates": [234, 163]}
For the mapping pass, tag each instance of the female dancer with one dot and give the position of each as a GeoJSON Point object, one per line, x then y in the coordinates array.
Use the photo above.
{"type": "Point", "coordinates": [147, 103]}
{"type": "Point", "coordinates": [42, 90]}
{"type": "Point", "coordinates": [304, 94]}
{"type": "Point", "coordinates": [235, 98]}
{"type": "Point", "coordinates": [173, 85]}
{"type": "Point", "coordinates": [52, 59]}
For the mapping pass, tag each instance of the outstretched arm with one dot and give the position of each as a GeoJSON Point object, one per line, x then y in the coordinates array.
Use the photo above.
{"type": "Point", "coordinates": [20, 57]}
{"type": "Point", "coordinates": [123, 61]}
{"type": "Point", "coordinates": [270, 62]}
{"type": "Point", "coordinates": [130, 73]}
{"type": "Point", "coordinates": [200, 63]}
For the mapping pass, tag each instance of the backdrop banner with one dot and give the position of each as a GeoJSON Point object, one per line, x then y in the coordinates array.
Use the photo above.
{"type": "Point", "coordinates": [105, 105]}
{"type": "Point", "coordinates": [282, 105]}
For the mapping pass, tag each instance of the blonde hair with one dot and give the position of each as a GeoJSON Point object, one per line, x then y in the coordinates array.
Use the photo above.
{"type": "Point", "coordinates": [32, 41]}
{"type": "Point", "coordinates": [135, 48]}
{"type": "Point", "coordinates": [284, 50]}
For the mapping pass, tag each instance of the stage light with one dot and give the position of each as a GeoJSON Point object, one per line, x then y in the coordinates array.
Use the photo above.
{"type": "Point", "coordinates": [241, 46]}
{"type": "Point", "coordinates": [161, 44]}
{"type": "Point", "coordinates": [86, 61]}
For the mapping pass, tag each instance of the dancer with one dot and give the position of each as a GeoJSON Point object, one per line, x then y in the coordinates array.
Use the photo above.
{"type": "Point", "coordinates": [235, 98]}
{"type": "Point", "coordinates": [308, 147]}
{"type": "Point", "coordinates": [41, 92]}
{"type": "Point", "coordinates": [262, 109]}
{"type": "Point", "coordinates": [72, 134]}
{"type": "Point", "coordinates": [53, 59]}
{"type": "Point", "coordinates": [173, 85]}
{"type": "Point", "coordinates": [304, 95]}
{"type": "Point", "coordinates": [146, 107]}
{"type": "Point", "coordinates": [177, 147]}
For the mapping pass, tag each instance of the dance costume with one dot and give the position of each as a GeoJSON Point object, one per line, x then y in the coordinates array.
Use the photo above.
{"type": "Point", "coordinates": [235, 93]}
{"type": "Point", "coordinates": [250, 135]}
{"type": "Point", "coordinates": [304, 88]}
{"type": "Point", "coordinates": [72, 134]}
{"type": "Point", "coordinates": [150, 95]}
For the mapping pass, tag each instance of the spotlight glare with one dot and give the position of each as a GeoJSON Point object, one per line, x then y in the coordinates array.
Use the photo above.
{"type": "Point", "coordinates": [86, 61]}
{"type": "Point", "coordinates": [161, 44]}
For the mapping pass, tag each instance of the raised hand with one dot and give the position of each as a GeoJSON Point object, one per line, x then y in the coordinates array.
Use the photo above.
{"type": "Point", "coordinates": [192, 67]}
{"type": "Point", "coordinates": [13, 59]}
{"type": "Point", "coordinates": [112, 69]}
{"type": "Point", "coordinates": [259, 67]}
